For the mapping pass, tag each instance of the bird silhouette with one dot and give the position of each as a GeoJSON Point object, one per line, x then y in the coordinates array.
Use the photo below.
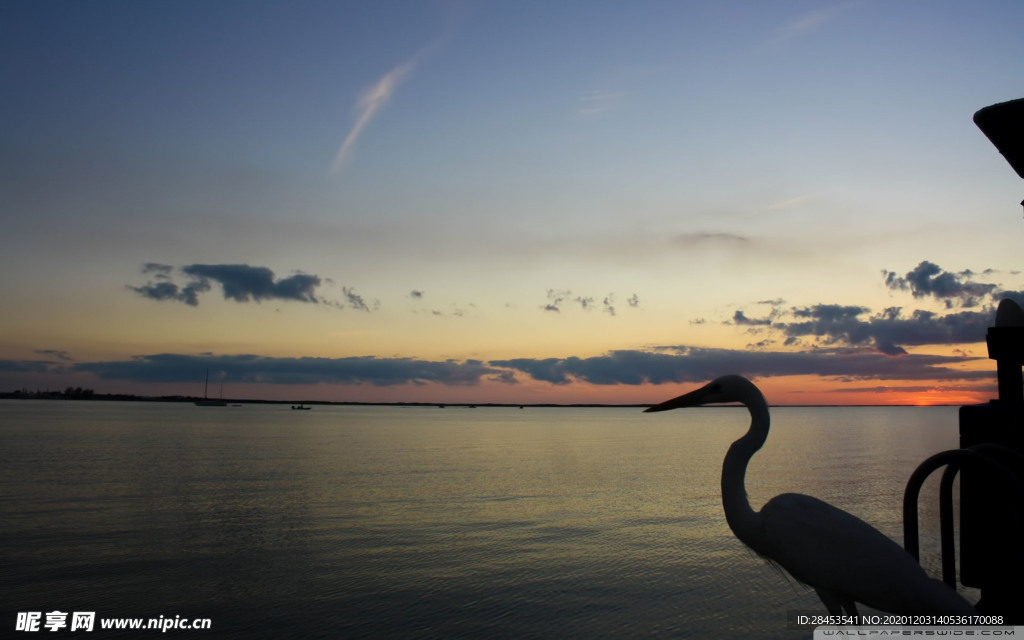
{"type": "Point", "coordinates": [844, 559]}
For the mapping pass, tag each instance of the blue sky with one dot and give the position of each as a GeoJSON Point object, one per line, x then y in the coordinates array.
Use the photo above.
{"type": "Point", "coordinates": [525, 167]}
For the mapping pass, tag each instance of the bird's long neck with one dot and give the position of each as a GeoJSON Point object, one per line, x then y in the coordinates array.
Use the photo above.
{"type": "Point", "coordinates": [743, 520]}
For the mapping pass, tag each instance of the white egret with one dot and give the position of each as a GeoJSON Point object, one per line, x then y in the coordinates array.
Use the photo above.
{"type": "Point", "coordinates": [844, 559]}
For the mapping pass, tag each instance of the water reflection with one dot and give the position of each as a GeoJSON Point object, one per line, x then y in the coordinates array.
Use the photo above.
{"type": "Point", "coordinates": [355, 520]}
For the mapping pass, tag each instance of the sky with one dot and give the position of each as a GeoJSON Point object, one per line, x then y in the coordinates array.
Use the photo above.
{"type": "Point", "coordinates": [525, 202]}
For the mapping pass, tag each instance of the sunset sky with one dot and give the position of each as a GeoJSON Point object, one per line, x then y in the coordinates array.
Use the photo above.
{"type": "Point", "coordinates": [523, 202]}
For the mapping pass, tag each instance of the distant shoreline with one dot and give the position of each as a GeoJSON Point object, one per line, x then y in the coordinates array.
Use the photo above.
{"type": "Point", "coordinates": [108, 397]}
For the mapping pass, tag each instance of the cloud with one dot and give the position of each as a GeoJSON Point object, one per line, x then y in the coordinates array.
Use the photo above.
{"type": "Point", "coordinates": [929, 279]}
{"type": "Point", "coordinates": [55, 353]}
{"type": "Point", "coordinates": [808, 22]}
{"type": "Point", "coordinates": [156, 267]}
{"type": "Point", "coordinates": [27, 366]}
{"type": "Point", "coordinates": [455, 312]}
{"type": "Point", "coordinates": [739, 318]}
{"type": "Point", "coordinates": [377, 96]}
{"type": "Point", "coordinates": [170, 367]}
{"type": "Point", "coordinates": [557, 296]}
{"type": "Point", "coordinates": [370, 102]}
{"type": "Point", "coordinates": [356, 301]}
{"type": "Point", "coordinates": [837, 341]}
{"type": "Point", "coordinates": [600, 101]}
{"type": "Point", "coordinates": [790, 203]}
{"type": "Point", "coordinates": [555, 299]}
{"type": "Point", "coordinates": [694, 364]}
{"type": "Point", "coordinates": [658, 365]}
{"type": "Point", "coordinates": [688, 240]}
{"type": "Point", "coordinates": [166, 290]}
{"type": "Point", "coordinates": [239, 283]}
{"type": "Point", "coordinates": [889, 331]}
{"type": "Point", "coordinates": [242, 283]}
{"type": "Point", "coordinates": [586, 302]}
{"type": "Point", "coordinates": [609, 304]}
{"type": "Point", "coordinates": [892, 329]}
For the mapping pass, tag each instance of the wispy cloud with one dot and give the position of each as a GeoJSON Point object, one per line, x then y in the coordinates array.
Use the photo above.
{"type": "Point", "coordinates": [808, 22]}
{"type": "Point", "coordinates": [377, 96]}
{"type": "Point", "coordinates": [357, 301]}
{"type": "Point", "coordinates": [600, 101]}
{"type": "Point", "coordinates": [455, 312]}
{"type": "Point", "coordinates": [690, 239]}
{"type": "Point", "coordinates": [555, 298]}
{"type": "Point", "coordinates": [370, 102]}
{"type": "Point", "coordinates": [790, 203]}
{"type": "Point", "coordinates": [587, 303]}
{"type": "Point", "coordinates": [609, 304]}
{"type": "Point", "coordinates": [59, 354]}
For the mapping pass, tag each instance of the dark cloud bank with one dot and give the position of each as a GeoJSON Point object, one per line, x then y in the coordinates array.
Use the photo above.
{"type": "Point", "coordinates": [670, 364]}
{"type": "Point", "coordinates": [171, 367]}
{"type": "Point", "coordinates": [694, 364]}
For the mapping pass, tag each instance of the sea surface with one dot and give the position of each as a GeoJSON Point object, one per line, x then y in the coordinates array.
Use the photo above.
{"type": "Point", "coordinates": [423, 522]}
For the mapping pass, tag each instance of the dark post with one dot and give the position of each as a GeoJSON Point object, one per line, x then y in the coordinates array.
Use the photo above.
{"type": "Point", "coordinates": [990, 545]}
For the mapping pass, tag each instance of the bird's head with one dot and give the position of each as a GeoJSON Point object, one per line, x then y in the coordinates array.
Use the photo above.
{"type": "Point", "coordinates": [729, 388]}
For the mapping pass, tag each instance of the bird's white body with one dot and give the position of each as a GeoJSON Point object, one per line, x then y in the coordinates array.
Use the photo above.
{"type": "Point", "coordinates": [842, 557]}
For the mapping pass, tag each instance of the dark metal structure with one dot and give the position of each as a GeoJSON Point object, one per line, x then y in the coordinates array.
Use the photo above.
{"type": "Point", "coordinates": [991, 466]}
{"type": "Point", "coordinates": [991, 455]}
{"type": "Point", "coordinates": [1003, 124]}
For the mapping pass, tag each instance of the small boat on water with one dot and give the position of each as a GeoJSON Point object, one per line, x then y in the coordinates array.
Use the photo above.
{"type": "Point", "coordinates": [210, 403]}
{"type": "Point", "coordinates": [206, 401]}
{"type": "Point", "coordinates": [300, 407]}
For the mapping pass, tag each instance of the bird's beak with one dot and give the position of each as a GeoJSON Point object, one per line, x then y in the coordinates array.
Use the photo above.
{"type": "Point", "coordinates": [691, 399]}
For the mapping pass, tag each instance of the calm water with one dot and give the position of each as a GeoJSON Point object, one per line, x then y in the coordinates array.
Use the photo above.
{"type": "Point", "coordinates": [425, 522]}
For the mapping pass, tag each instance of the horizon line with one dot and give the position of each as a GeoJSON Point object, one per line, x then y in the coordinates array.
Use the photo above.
{"type": "Point", "coordinates": [124, 397]}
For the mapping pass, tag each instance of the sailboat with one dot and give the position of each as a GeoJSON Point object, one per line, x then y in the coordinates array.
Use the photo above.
{"type": "Point", "coordinates": [207, 402]}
